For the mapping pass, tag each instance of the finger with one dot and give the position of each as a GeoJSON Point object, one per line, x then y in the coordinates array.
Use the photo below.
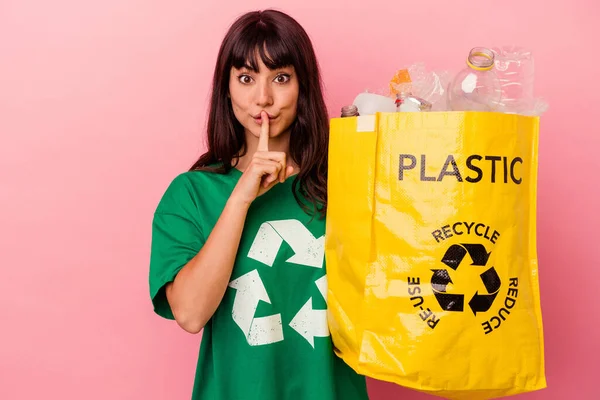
{"type": "Point", "coordinates": [270, 155]}
{"type": "Point", "coordinates": [280, 157]}
{"type": "Point", "coordinates": [263, 139]}
{"type": "Point", "coordinates": [289, 171]}
{"type": "Point", "coordinates": [268, 170]}
{"type": "Point", "coordinates": [277, 156]}
{"type": "Point", "coordinates": [275, 175]}
{"type": "Point", "coordinates": [282, 171]}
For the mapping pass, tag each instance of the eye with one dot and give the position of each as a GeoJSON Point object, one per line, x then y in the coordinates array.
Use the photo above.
{"type": "Point", "coordinates": [245, 79]}
{"type": "Point", "coordinates": [282, 78]}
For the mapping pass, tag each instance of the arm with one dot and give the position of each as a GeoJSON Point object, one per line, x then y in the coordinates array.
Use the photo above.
{"type": "Point", "coordinates": [198, 288]}
{"type": "Point", "coordinates": [200, 285]}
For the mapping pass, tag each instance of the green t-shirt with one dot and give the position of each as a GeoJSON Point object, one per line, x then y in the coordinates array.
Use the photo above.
{"type": "Point", "coordinates": [269, 338]}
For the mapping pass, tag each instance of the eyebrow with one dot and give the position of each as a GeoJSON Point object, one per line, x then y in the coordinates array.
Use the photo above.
{"type": "Point", "coordinates": [249, 68]}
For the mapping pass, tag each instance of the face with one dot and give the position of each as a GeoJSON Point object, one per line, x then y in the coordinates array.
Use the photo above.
{"type": "Point", "coordinates": [274, 91]}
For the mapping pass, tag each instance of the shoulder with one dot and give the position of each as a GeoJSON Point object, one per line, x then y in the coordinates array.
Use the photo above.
{"type": "Point", "coordinates": [177, 188]}
{"type": "Point", "coordinates": [190, 188]}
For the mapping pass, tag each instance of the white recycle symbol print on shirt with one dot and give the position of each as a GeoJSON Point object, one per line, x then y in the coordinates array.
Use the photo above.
{"type": "Point", "coordinates": [309, 252]}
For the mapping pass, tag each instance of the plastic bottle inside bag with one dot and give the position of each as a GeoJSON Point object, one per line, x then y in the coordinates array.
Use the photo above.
{"type": "Point", "coordinates": [371, 103]}
{"type": "Point", "coordinates": [515, 71]}
{"type": "Point", "coordinates": [350, 111]}
{"type": "Point", "coordinates": [476, 87]}
{"type": "Point", "coordinates": [407, 102]}
{"type": "Point", "coordinates": [514, 66]}
{"type": "Point", "coordinates": [428, 88]}
{"type": "Point", "coordinates": [402, 86]}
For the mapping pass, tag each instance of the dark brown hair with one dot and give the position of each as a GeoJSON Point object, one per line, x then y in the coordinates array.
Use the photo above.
{"type": "Point", "coordinates": [280, 41]}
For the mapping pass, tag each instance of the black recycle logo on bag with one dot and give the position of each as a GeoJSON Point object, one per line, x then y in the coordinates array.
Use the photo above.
{"type": "Point", "coordinates": [453, 258]}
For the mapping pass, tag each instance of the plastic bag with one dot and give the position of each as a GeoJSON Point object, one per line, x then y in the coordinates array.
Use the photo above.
{"type": "Point", "coordinates": [431, 251]}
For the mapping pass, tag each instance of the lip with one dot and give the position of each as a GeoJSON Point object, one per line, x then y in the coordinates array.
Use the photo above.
{"type": "Point", "coordinates": [258, 118]}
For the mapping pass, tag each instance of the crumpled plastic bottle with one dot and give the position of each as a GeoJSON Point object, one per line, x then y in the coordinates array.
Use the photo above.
{"type": "Point", "coordinates": [417, 81]}
{"type": "Point", "coordinates": [514, 66]}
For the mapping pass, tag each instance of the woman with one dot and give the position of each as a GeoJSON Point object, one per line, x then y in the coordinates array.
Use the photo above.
{"type": "Point", "coordinates": [237, 247]}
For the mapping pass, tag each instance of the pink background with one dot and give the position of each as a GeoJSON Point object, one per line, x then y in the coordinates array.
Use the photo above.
{"type": "Point", "coordinates": [103, 103]}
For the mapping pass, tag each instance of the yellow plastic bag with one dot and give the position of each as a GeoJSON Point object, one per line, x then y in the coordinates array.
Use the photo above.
{"type": "Point", "coordinates": [431, 251]}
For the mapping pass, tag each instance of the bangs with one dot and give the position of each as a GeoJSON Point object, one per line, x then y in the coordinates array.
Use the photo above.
{"type": "Point", "coordinates": [260, 40]}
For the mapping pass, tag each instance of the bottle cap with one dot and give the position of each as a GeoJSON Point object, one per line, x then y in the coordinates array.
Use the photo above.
{"type": "Point", "coordinates": [350, 111]}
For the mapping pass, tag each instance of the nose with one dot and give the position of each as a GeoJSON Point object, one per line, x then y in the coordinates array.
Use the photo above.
{"type": "Point", "coordinates": [264, 95]}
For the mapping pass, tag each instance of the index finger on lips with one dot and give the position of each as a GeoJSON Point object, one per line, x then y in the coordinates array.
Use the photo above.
{"type": "Point", "coordinates": [263, 139]}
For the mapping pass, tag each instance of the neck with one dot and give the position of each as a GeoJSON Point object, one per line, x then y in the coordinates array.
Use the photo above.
{"type": "Point", "coordinates": [280, 143]}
